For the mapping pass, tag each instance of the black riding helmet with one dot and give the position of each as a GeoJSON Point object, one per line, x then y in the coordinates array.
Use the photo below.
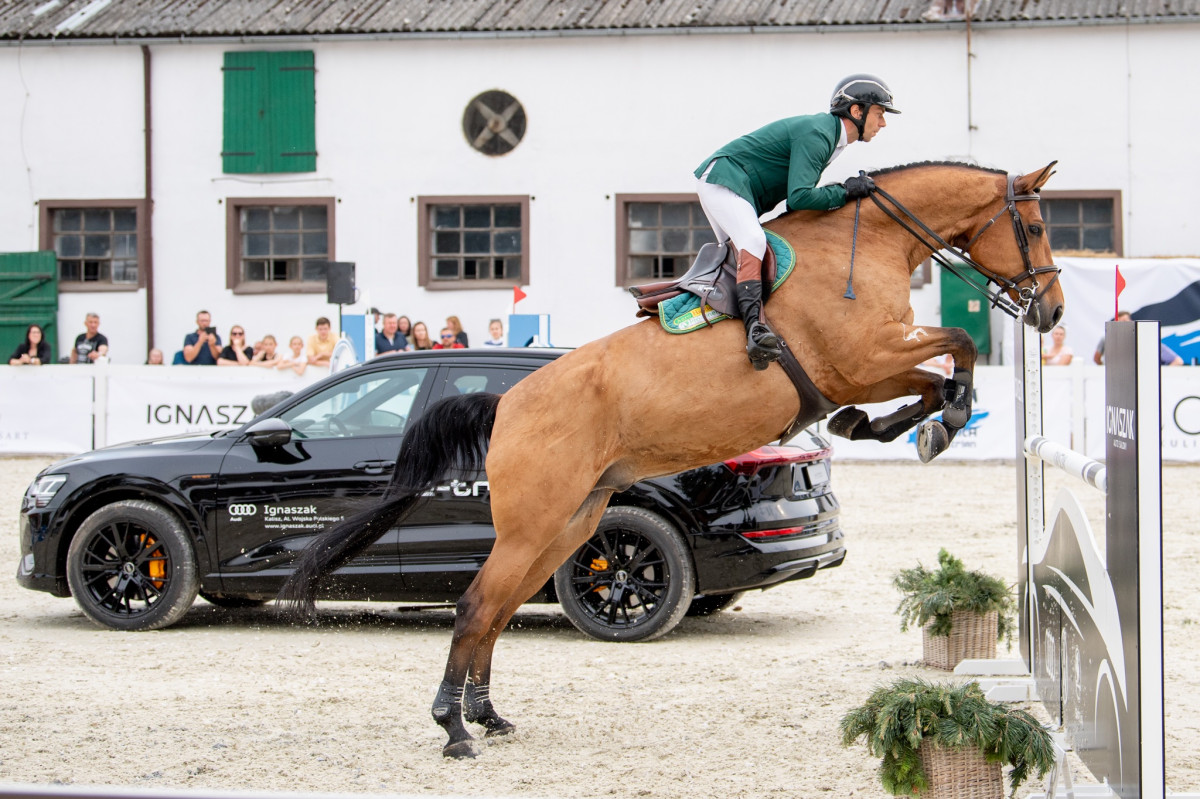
{"type": "Point", "coordinates": [861, 89]}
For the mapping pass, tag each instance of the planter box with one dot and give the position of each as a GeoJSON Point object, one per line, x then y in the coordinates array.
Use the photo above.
{"type": "Point", "coordinates": [959, 773]}
{"type": "Point", "coordinates": [972, 635]}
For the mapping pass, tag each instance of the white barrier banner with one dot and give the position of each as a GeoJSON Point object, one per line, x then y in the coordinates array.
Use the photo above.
{"type": "Point", "coordinates": [197, 399]}
{"type": "Point", "coordinates": [988, 436]}
{"type": "Point", "coordinates": [45, 409]}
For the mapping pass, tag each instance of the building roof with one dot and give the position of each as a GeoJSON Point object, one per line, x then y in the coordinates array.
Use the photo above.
{"type": "Point", "coordinates": [158, 19]}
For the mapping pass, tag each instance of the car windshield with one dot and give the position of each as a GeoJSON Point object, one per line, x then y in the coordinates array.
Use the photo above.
{"type": "Point", "coordinates": [364, 405]}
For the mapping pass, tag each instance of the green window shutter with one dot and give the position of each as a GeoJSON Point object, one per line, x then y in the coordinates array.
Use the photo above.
{"type": "Point", "coordinates": [270, 112]}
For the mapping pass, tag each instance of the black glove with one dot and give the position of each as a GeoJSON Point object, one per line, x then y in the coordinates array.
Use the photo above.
{"type": "Point", "coordinates": [858, 186]}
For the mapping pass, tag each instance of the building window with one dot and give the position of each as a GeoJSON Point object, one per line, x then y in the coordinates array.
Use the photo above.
{"type": "Point", "coordinates": [279, 245]}
{"type": "Point", "coordinates": [98, 244]}
{"type": "Point", "coordinates": [1083, 223]}
{"type": "Point", "coordinates": [658, 236]}
{"type": "Point", "coordinates": [270, 112]}
{"type": "Point", "coordinates": [473, 242]}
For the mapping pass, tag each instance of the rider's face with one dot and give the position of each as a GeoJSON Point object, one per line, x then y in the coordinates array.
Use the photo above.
{"type": "Point", "coordinates": [875, 123]}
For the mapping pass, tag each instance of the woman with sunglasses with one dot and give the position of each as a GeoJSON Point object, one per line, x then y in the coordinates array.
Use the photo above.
{"type": "Point", "coordinates": [237, 353]}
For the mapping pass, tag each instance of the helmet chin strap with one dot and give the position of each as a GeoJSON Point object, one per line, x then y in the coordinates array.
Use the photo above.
{"type": "Point", "coordinates": [859, 123]}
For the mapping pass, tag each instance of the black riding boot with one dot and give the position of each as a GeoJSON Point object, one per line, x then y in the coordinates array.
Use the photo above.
{"type": "Point", "coordinates": [762, 345]}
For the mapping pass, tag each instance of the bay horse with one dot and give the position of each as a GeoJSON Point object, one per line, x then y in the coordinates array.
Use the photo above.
{"type": "Point", "coordinates": [641, 402]}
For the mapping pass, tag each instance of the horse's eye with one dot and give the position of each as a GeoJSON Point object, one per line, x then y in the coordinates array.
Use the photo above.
{"type": "Point", "coordinates": [1036, 230]}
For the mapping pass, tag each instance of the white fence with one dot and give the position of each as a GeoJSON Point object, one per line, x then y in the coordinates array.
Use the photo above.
{"type": "Point", "coordinates": [69, 409]}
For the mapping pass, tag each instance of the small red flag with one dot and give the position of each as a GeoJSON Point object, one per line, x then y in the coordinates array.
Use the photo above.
{"type": "Point", "coordinates": [518, 295]}
{"type": "Point", "coordinates": [1120, 287]}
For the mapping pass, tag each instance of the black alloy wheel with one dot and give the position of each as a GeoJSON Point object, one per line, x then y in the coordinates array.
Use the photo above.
{"type": "Point", "coordinates": [131, 567]}
{"type": "Point", "coordinates": [633, 580]}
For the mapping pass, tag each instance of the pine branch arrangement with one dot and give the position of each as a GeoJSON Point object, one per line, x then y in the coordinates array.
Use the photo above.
{"type": "Point", "coordinates": [895, 719]}
{"type": "Point", "coordinates": [937, 594]}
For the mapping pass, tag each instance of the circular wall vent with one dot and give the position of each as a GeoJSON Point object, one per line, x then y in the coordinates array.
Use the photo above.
{"type": "Point", "coordinates": [494, 122]}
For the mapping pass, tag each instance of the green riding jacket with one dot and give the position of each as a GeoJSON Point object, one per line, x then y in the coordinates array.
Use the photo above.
{"type": "Point", "coordinates": [782, 160]}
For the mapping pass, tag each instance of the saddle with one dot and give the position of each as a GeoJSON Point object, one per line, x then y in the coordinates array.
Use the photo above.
{"type": "Point", "coordinates": [712, 278]}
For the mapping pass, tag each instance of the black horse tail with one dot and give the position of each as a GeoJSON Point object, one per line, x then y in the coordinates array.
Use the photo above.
{"type": "Point", "coordinates": [449, 440]}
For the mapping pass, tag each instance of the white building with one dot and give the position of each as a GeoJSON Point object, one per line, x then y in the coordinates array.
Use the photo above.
{"type": "Point", "coordinates": [115, 116]}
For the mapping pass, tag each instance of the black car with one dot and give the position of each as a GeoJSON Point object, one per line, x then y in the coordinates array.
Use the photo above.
{"type": "Point", "coordinates": [135, 531]}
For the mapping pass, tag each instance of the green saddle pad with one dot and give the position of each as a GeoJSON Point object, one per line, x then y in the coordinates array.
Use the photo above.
{"type": "Point", "coordinates": [683, 314]}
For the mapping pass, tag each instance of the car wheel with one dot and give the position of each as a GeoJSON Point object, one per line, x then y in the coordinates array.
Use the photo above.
{"type": "Point", "coordinates": [131, 567]}
{"type": "Point", "coordinates": [632, 581]}
{"type": "Point", "coordinates": [232, 602]}
{"type": "Point", "coordinates": [708, 605]}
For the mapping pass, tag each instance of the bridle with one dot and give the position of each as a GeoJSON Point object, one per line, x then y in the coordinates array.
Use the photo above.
{"type": "Point", "coordinates": [998, 296]}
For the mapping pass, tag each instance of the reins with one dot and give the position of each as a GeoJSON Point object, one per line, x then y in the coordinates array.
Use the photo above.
{"type": "Point", "coordinates": [998, 298]}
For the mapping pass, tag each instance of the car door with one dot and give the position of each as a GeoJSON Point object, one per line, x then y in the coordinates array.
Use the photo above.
{"type": "Point", "coordinates": [272, 500]}
{"type": "Point", "coordinates": [447, 539]}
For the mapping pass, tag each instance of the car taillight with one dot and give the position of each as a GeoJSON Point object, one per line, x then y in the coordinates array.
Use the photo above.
{"type": "Point", "coordinates": [783, 531]}
{"type": "Point", "coordinates": [749, 463]}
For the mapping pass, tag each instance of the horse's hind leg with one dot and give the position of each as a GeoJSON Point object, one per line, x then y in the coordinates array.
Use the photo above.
{"type": "Point", "coordinates": [520, 564]}
{"type": "Point", "coordinates": [851, 422]}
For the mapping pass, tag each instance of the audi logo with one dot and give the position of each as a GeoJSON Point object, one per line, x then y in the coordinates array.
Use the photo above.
{"type": "Point", "coordinates": [243, 510]}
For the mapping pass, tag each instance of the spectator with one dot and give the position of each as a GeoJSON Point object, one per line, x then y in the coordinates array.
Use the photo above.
{"type": "Point", "coordinates": [390, 339]}
{"type": "Point", "coordinates": [448, 341]}
{"type": "Point", "coordinates": [1058, 354]}
{"type": "Point", "coordinates": [421, 337]}
{"type": "Point", "coordinates": [154, 357]}
{"type": "Point", "coordinates": [376, 319]}
{"type": "Point", "coordinates": [202, 347]}
{"type": "Point", "coordinates": [297, 361]}
{"type": "Point", "coordinates": [456, 326]}
{"type": "Point", "coordinates": [1166, 355]}
{"type": "Point", "coordinates": [939, 363]}
{"type": "Point", "coordinates": [91, 344]}
{"type": "Point", "coordinates": [321, 343]}
{"type": "Point", "coordinates": [237, 353]}
{"type": "Point", "coordinates": [33, 351]}
{"type": "Point", "coordinates": [266, 355]}
{"type": "Point", "coordinates": [404, 325]}
{"type": "Point", "coordinates": [1098, 356]}
{"type": "Point", "coordinates": [496, 330]}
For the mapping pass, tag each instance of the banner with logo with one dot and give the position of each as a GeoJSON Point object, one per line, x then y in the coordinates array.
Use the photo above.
{"type": "Point", "coordinates": [45, 409]}
{"type": "Point", "coordinates": [190, 400]}
{"type": "Point", "coordinates": [1166, 290]}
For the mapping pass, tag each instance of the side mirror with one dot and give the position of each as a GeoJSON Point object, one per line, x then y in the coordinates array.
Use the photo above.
{"type": "Point", "coordinates": [273, 432]}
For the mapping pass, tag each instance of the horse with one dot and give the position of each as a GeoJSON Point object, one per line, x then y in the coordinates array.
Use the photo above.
{"type": "Point", "coordinates": [640, 402]}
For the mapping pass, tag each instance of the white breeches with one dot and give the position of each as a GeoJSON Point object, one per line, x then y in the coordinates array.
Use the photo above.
{"type": "Point", "coordinates": [732, 217]}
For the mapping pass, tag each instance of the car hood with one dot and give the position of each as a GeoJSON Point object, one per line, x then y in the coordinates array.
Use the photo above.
{"type": "Point", "coordinates": [183, 442]}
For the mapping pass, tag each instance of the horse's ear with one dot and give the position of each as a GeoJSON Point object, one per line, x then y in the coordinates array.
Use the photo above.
{"type": "Point", "coordinates": [1027, 184]}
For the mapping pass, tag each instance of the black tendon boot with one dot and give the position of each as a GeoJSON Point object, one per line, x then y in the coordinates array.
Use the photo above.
{"type": "Point", "coordinates": [762, 345]}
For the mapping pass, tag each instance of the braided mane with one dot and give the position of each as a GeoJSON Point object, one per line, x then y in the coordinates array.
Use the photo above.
{"type": "Point", "coordinates": [902, 167]}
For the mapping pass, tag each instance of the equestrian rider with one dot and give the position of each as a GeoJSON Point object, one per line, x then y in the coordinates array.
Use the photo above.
{"type": "Point", "coordinates": [783, 161]}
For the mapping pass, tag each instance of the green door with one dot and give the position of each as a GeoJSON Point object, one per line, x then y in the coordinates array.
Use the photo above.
{"type": "Point", "coordinates": [28, 296]}
{"type": "Point", "coordinates": [966, 307]}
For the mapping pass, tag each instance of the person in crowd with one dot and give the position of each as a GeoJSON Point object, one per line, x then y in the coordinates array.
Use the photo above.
{"type": "Point", "coordinates": [404, 325]}
{"type": "Point", "coordinates": [266, 355]}
{"type": "Point", "coordinates": [376, 319]}
{"type": "Point", "coordinates": [783, 161]}
{"type": "Point", "coordinates": [202, 347]}
{"type": "Point", "coordinates": [238, 353]}
{"type": "Point", "coordinates": [496, 331]}
{"type": "Point", "coordinates": [448, 341]}
{"type": "Point", "coordinates": [943, 364]}
{"type": "Point", "coordinates": [90, 344]}
{"type": "Point", "coordinates": [390, 339]}
{"type": "Point", "coordinates": [421, 337]}
{"type": "Point", "coordinates": [321, 343]}
{"type": "Point", "coordinates": [297, 361]}
{"type": "Point", "coordinates": [34, 350]}
{"type": "Point", "coordinates": [154, 357]}
{"type": "Point", "coordinates": [1166, 355]}
{"type": "Point", "coordinates": [456, 327]}
{"type": "Point", "coordinates": [1058, 353]}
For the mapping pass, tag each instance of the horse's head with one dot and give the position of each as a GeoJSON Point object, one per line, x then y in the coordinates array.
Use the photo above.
{"type": "Point", "coordinates": [1017, 256]}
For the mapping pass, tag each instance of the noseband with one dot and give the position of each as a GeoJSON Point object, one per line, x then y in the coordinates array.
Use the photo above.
{"type": "Point", "coordinates": [997, 295]}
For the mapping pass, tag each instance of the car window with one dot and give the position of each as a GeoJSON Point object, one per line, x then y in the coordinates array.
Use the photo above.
{"type": "Point", "coordinates": [472, 379]}
{"type": "Point", "coordinates": [373, 404]}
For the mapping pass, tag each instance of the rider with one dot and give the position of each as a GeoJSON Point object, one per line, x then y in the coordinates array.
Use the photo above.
{"type": "Point", "coordinates": [783, 160]}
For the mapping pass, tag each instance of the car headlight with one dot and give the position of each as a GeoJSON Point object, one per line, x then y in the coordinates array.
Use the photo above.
{"type": "Point", "coordinates": [43, 490]}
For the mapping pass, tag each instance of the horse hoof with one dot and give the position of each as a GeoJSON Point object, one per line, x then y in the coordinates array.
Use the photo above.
{"type": "Point", "coordinates": [460, 750]}
{"type": "Point", "coordinates": [932, 440]}
{"type": "Point", "coordinates": [847, 422]}
{"type": "Point", "coordinates": [500, 728]}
